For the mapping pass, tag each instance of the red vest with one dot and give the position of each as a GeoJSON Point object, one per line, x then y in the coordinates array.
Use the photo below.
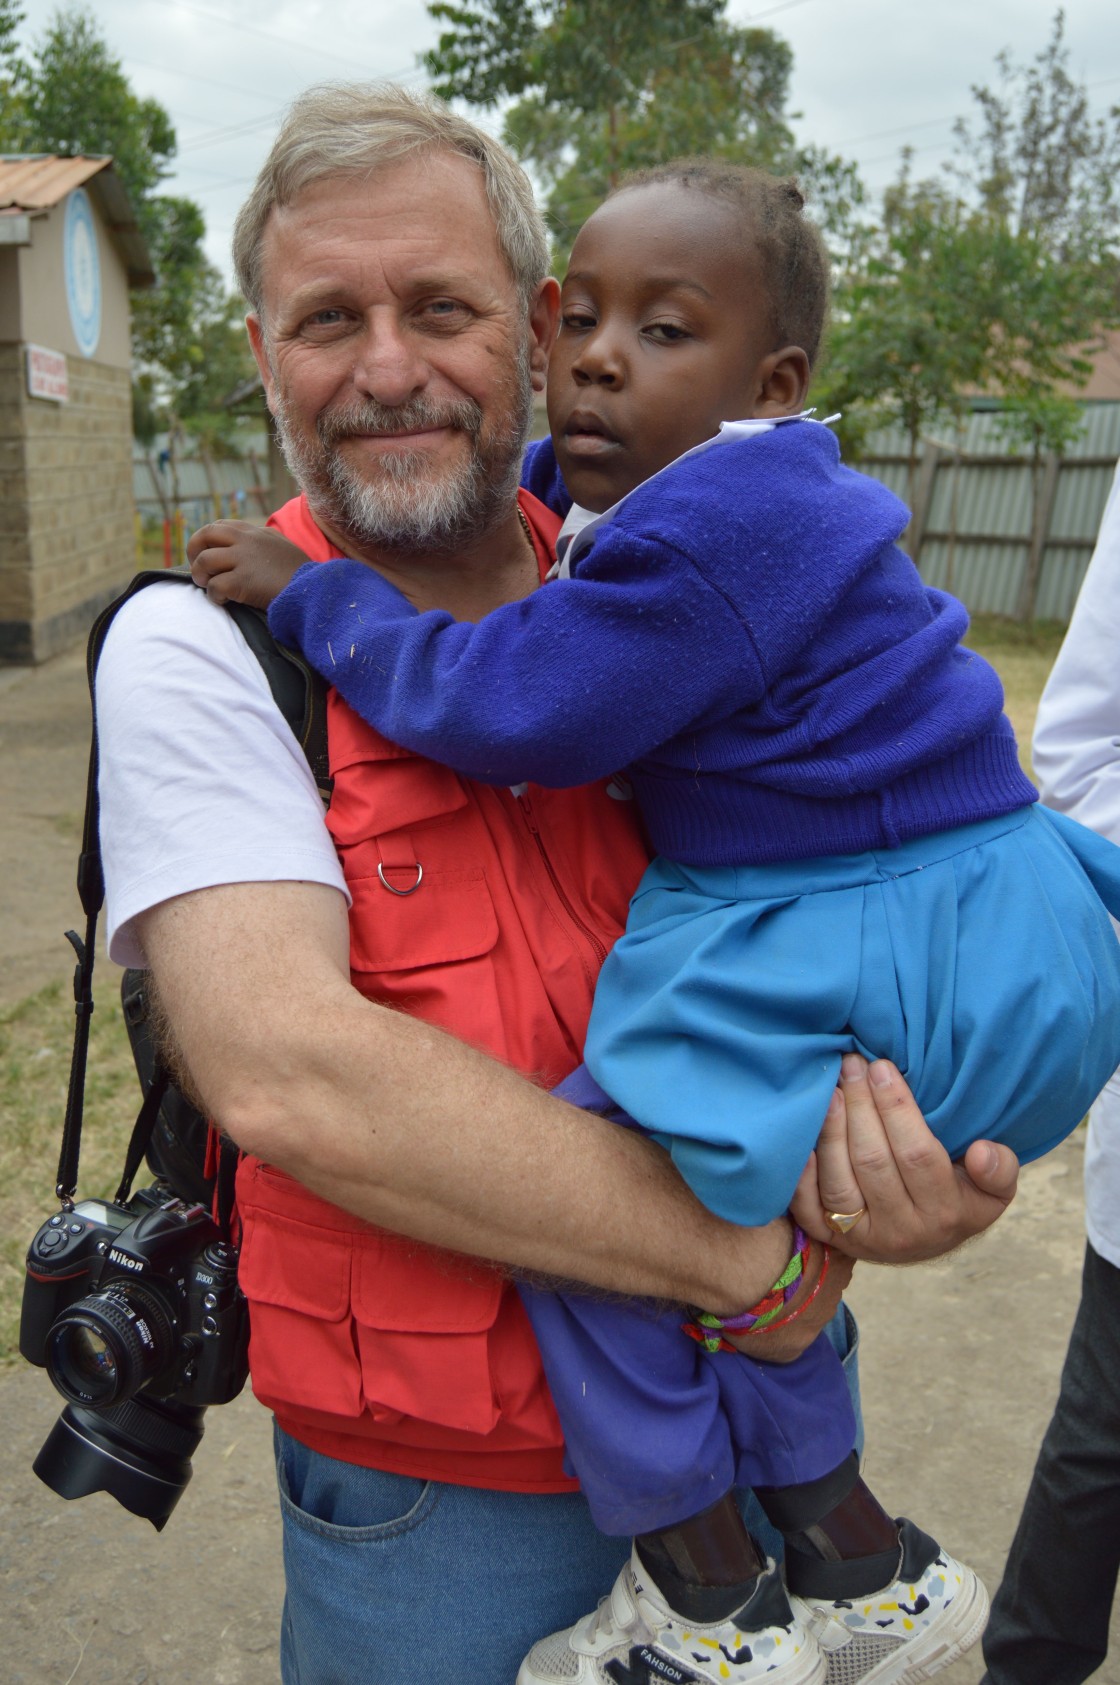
{"type": "Point", "coordinates": [369, 1347]}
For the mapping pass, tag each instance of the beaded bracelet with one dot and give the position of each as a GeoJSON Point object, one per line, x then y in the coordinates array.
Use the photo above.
{"type": "Point", "coordinates": [709, 1329]}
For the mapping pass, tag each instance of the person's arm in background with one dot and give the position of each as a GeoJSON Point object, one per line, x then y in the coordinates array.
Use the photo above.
{"type": "Point", "coordinates": [1077, 736]}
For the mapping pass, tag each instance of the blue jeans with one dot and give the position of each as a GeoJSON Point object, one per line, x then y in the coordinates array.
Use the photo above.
{"type": "Point", "coordinates": [388, 1577]}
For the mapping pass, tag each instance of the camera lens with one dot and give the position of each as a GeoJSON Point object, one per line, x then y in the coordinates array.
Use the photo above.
{"type": "Point", "coordinates": [105, 1347]}
{"type": "Point", "coordinates": [89, 1356]}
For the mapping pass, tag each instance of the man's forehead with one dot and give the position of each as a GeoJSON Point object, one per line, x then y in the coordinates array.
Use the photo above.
{"type": "Point", "coordinates": [428, 212]}
{"type": "Point", "coordinates": [414, 193]}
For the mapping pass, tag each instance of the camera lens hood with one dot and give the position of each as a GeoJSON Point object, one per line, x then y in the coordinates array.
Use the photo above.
{"type": "Point", "coordinates": [139, 1452]}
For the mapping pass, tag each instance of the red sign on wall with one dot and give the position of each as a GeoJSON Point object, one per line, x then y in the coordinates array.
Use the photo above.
{"type": "Point", "coordinates": [46, 374]}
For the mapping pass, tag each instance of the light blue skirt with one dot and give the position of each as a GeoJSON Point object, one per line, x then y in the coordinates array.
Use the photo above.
{"type": "Point", "coordinates": [982, 961]}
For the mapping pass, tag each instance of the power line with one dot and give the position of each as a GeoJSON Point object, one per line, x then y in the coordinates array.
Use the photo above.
{"type": "Point", "coordinates": [286, 40]}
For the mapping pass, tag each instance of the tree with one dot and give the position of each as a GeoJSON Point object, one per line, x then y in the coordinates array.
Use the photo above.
{"type": "Point", "coordinates": [908, 338]}
{"type": "Point", "coordinates": [72, 97]}
{"type": "Point", "coordinates": [1045, 173]}
{"type": "Point", "coordinates": [994, 280]}
{"type": "Point", "coordinates": [1038, 162]}
{"type": "Point", "coordinates": [602, 87]}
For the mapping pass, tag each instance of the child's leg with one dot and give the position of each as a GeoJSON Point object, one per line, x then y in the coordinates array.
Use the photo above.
{"type": "Point", "coordinates": [657, 1429]}
{"type": "Point", "coordinates": [647, 1433]}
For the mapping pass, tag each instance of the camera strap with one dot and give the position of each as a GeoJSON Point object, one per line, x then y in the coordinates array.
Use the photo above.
{"type": "Point", "coordinates": [301, 697]}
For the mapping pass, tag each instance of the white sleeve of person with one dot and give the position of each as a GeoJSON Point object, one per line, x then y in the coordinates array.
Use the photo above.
{"type": "Point", "coordinates": [201, 780]}
{"type": "Point", "coordinates": [1077, 764]}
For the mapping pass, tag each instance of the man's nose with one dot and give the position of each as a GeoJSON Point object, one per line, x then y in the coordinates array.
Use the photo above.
{"type": "Point", "coordinates": [388, 366]}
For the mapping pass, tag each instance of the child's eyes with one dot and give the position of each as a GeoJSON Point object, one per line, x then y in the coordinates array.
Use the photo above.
{"type": "Point", "coordinates": [579, 320]}
{"type": "Point", "coordinates": [667, 332]}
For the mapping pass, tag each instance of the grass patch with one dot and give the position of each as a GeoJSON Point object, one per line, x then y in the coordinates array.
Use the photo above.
{"type": "Point", "coordinates": [35, 1043]}
{"type": "Point", "coordinates": [1023, 657]}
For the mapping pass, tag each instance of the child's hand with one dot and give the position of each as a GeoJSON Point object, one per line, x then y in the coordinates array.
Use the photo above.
{"type": "Point", "coordinates": [236, 562]}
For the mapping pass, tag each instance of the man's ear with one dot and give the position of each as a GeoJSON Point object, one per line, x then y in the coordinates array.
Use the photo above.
{"type": "Point", "coordinates": [544, 316]}
{"type": "Point", "coordinates": [782, 383]}
{"type": "Point", "coordinates": [259, 346]}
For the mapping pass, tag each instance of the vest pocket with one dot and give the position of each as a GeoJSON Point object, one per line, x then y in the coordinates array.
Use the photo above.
{"type": "Point", "coordinates": [348, 1320]}
{"type": "Point", "coordinates": [422, 1320]}
{"type": "Point", "coordinates": [450, 917]}
{"type": "Point", "coordinates": [296, 1278]}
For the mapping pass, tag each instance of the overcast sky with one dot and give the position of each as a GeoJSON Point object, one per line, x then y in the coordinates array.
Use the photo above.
{"type": "Point", "coordinates": [869, 77]}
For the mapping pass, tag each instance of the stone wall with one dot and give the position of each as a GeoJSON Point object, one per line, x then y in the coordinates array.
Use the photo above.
{"type": "Point", "coordinates": [67, 539]}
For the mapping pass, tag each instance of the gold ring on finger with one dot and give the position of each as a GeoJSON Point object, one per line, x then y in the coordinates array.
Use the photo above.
{"type": "Point", "coordinates": [841, 1221]}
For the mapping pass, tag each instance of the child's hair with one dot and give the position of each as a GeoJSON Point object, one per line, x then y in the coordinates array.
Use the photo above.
{"type": "Point", "coordinates": [792, 254]}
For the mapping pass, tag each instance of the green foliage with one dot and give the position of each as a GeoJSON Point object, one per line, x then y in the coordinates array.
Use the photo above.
{"type": "Point", "coordinates": [996, 279]}
{"type": "Point", "coordinates": [76, 99]}
{"type": "Point", "coordinates": [602, 87]}
{"type": "Point", "coordinates": [72, 97]}
{"type": "Point", "coordinates": [1038, 162]}
{"type": "Point", "coordinates": [908, 337]}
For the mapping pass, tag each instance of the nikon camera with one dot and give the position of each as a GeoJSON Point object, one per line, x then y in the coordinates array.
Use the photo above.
{"type": "Point", "coordinates": [135, 1313]}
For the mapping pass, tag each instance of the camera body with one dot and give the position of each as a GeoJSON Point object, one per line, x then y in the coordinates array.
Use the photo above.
{"type": "Point", "coordinates": [135, 1313]}
{"type": "Point", "coordinates": [143, 1296]}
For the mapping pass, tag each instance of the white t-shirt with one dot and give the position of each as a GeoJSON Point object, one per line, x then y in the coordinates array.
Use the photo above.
{"type": "Point", "coordinates": [202, 781]}
{"type": "Point", "coordinates": [1077, 763]}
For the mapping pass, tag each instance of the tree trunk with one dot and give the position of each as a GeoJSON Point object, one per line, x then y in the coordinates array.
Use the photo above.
{"type": "Point", "coordinates": [1044, 485]}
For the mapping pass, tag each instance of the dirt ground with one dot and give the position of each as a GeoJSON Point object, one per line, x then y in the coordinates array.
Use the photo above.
{"type": "Point", "coordinates": [960, 1360]}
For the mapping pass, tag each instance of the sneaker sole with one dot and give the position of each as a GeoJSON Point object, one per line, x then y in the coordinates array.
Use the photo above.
{"type": "Point", "coordinates": [924, 1657]}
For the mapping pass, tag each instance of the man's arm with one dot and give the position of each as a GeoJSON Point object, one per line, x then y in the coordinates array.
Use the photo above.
{"type": "Point", "coordinates": [403, 1125]}
{"type": "Point", "coordinates": [407, 1127]}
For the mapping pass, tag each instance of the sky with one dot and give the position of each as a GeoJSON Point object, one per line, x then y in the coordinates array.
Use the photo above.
{"type": "Point", "coordinates": [869, 76]}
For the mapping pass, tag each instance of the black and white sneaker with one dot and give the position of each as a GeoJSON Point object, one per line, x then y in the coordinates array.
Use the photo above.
{"type": "Point", "coordinates": [634, 1638]}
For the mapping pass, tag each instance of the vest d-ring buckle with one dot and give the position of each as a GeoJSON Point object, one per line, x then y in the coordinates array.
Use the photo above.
{"type": "Point", "coordinates": [412, 888]}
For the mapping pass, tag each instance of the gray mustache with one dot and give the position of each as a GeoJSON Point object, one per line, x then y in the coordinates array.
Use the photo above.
{"type": "Point", "coordinates": [371, 417]}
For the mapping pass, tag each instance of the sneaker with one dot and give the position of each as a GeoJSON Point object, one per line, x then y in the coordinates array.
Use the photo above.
{"type": "Point", "coordinates": [634, 1638]}
{"type": "Point", "coordinates": [918, 1624]}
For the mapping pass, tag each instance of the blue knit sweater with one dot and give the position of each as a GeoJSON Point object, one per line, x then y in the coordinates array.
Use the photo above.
{"type": "Point", "coordinates": [743, 637]}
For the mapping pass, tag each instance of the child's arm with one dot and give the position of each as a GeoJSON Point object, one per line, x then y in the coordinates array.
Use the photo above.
{"type": "Point", "coordinates": [237, 562]}
{"type": "Point", "coordinates": [577, 680]}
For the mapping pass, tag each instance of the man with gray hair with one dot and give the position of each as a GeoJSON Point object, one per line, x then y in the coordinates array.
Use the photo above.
{"type": "Point", "coordinates": [374, 1007]}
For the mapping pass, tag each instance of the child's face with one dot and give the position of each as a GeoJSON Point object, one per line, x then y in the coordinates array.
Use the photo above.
{"type": "Point", "coordinates": [665, 331]}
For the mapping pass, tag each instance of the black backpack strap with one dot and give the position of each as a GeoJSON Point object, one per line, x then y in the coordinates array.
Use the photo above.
{"type": "Point", "coordinates": [300, 694]}
{"type": "Point", "coordinates": [298, 690]}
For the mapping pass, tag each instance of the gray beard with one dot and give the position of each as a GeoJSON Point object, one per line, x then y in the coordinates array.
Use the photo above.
{"type": "Point", "coordinates": [406, 507]}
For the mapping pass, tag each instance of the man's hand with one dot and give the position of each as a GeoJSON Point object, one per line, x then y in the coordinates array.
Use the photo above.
{"type": "Point", "coordinates": [875, 1150]}
{"type": "Point", "coordinates": [237, 562]}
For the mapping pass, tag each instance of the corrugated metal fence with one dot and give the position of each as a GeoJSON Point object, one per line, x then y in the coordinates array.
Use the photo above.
{"type": "Point", "coordinates": [972, 527]}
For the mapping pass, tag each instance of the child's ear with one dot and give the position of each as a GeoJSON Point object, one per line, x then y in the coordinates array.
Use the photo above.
{"type": "Point", "coordinates": [783, 382]}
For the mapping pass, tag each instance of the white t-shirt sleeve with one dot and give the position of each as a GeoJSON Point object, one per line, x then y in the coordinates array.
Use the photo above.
{"type": "Point", "coordinates": [1077, 763]}
{"type": "Point", "coordinates": [201, 780]}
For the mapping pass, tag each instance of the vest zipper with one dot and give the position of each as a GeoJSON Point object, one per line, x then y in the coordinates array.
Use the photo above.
{"type": "Point", "coordinates": [590, 937]}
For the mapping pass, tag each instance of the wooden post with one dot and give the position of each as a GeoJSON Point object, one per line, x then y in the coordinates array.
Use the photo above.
{"type": "Point", "coordinates": [211, 483]}
{"type": "Point", "coordinates": [923, 498]}
{"type": "Point", "coordinates": [158, 484]}
{"type": "Point", "coordinates": [1042, 513]}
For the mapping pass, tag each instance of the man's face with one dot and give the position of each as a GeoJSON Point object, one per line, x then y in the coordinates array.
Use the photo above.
{"type": "Point", "coordinates": [665, 331]}
{"type": "Point", "coordinates": [396, 355]}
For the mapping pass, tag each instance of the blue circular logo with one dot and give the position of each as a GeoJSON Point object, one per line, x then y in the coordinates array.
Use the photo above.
{"type": "Point", "coordinates": [83, 272]}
